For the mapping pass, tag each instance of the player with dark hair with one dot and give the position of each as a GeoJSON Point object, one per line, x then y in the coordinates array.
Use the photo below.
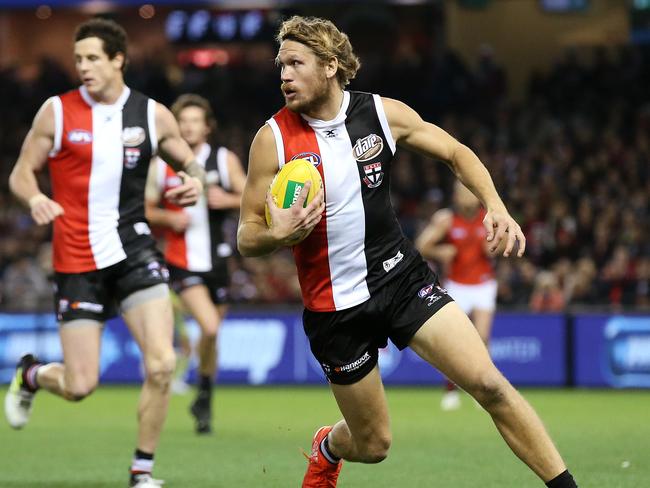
{"type": "Point", "coordinates": [97, 141]}
{"type": "Point", "coordinates": [362, 281]}
{"type": "Point", "coordinates": [196, 250]}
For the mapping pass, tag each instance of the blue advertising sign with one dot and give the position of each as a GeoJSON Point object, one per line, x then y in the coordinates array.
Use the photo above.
{"type": "Point", "coordinates": [612, 351]}
{"type": "Point", "coordinates": [268, 348]}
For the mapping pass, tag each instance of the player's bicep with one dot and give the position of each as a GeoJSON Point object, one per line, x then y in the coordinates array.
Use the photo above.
{"type": "Point", "coordinates": [411, 131]}
{"type": "Point", "coordinates": [39, 140]}
{"type": "Point", "coordinates": [262, 167]}
{"type": "Point", "coordinates": [236, 174]}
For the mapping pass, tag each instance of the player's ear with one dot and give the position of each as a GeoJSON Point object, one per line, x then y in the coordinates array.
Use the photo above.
{"type": "Point", "coordinates": [331, 67]}
{"type": "Point", "coordinates": [118, 61]}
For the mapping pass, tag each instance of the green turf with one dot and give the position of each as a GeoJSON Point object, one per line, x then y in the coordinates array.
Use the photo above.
{"type": "Point", "coordinates": [259, 433]}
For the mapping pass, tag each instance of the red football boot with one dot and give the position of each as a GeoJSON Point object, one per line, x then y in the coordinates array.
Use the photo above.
{"type": "Point", "coordinates": [320, 472]}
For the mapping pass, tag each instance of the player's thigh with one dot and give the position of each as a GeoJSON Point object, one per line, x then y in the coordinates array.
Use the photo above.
{"type": "Point", "coordinates": [364, 407]}
{"type": "Point", "coordinates": [198, 302]}
{"type": "Point", "coordinates": [80, 342]}
{"type": "Point", "coordinates": [148, 315]}
{"type": "Point", "coordinates": [450, 342]}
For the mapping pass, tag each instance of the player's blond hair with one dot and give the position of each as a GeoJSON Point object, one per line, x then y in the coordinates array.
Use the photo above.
{"type": "Point", "coordinates": [325, 40]}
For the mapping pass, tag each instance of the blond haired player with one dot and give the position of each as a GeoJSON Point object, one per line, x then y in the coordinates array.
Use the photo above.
{"type": "Point", "coordinates": [362, 282]}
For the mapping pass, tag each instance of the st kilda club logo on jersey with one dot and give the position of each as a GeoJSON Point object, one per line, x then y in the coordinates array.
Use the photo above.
{"type": "Point", "coordinates": [364, 150]}
{"type": "Point", "coordinates": [131, 157]}
{"type": "Point", "coordinates": [374, 175]}
{"type": "Point", "coordinates": [312, 157]}
{"type": "Point", "coordinates": [131, 138]}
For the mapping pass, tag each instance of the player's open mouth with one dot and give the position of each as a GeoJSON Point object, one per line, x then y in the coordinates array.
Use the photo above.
{"type": "Point", "coordinates": [289, 94]}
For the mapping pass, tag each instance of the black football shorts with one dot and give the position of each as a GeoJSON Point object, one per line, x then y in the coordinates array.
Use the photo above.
{"type": "Point", "coordinates": [346, 343]}
{"type": "Point", "coordinates": [95, 295]}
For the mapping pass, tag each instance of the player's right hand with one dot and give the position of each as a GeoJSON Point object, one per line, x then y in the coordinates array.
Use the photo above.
{"type": "Point", "coordinates": [44, 210]}
{"type": "Point", "coordinates": [291, 225]}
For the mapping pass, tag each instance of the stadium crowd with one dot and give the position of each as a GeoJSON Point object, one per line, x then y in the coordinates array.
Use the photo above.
{"type": "Point", "coordinates": [571, 159]}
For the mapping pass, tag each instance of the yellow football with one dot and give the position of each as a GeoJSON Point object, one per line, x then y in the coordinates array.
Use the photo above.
{"type": "Point", "coordinates": [289, 181]}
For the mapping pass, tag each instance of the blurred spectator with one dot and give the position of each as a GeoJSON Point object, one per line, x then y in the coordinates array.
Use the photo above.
{"type": "Point", "coordinates": [547, 295]}
{"type": "Point", "coordinates": [25, 285]}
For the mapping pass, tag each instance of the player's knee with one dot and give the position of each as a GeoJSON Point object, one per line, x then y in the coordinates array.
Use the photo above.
{"type": "Point", "coordinates": [490, 390]}
{"type": "Point", "coordinates": [77, 390]}
{"type": "Point", "coordinates": [209, 333]}
{"type": "Point", "coordinates": [161, 368]}
{"type": "Point", "coordinates": [376, 448]}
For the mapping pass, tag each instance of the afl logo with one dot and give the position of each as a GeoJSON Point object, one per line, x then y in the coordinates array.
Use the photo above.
{"type": "Point", "coordinates": [367, 148]}
{"type": "Point", "coordinates": [313, 158]}
{"type": "Point", "coordinates": [80, 136]}
{"type": "Point", "coordinates": [426, 291]}
{"type": "Point", "coordinates": [133, 136]}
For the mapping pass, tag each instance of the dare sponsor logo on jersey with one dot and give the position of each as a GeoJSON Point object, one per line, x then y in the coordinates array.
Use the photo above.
{"type": "Point", "coordinates": [131, 157]}
{"type": "Point", "coordinates": [367, 147]}
{"type": "Point", "coordinates": [374, 175]}
{"type": "Point", "coordinates": [133, 136]}
{"type": "Point", "coordinates": [80, 136]}
{"type": "Point", "coordinates": [312, 157]}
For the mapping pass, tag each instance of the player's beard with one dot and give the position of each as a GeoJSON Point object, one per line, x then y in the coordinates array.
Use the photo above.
{"type": "Point", "coordinates": [319, 98]}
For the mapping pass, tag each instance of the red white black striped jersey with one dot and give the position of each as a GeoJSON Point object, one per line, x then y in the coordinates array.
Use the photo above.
{"type": "Point", "coordinates": [98, 168]}
{"type": "Point", "coordinates": [202, 243]}
{"type": "Point", "coordinates": [358, 245]}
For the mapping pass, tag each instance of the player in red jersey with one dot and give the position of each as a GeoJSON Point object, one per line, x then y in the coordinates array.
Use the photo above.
{"type": "Point", "coordinates": [196, 250]}
{"type": "Point", "coordinates": [97, 141]}
{"type": "Point", "coordinates": [362, 281]}
{"type": "Point", "coordinates": [455, 238]}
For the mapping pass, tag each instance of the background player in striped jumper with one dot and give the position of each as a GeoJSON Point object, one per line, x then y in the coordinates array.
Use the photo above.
{"type": "Point", "coordinates": [455, 238]}
{"type": "Point", "coordinates": [362, 281]}
{"type": "Point", "coordinates": [196, 250]}
{"type": "Point", "coordinates": [97, 141]}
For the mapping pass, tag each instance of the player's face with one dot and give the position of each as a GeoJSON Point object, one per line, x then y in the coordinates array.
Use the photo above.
{"type": "Point", "coordinates": [96, 71]}
{"type": "Point", "coordinates": [304, 81]}
{"type": "Point", "coordinates": [192, 123]}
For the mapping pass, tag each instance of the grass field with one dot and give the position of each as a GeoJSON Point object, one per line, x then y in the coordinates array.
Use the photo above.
{"type": "Point", "coordinates": [603, 435]}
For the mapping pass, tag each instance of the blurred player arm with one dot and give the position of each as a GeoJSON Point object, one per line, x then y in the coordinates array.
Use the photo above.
{"type": "Point", "coordinates": [254, 238]}
{"type": "Point", "coordinates": [409, 130]}
{"type": "Point", "coordinates": [218, 197]}
{"type": "Point", "coordinates": [33, 156]}
{"type": "Point", "coordinates": [156, 215]}
{"type": "Point", "coordinates": [177, 153]}
{"type": "Point", "coordinates": [430, 243]}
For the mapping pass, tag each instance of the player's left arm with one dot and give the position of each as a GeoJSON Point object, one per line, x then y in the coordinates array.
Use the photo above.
{"type": "Point", "coordinates": [410, 131]}
{"type": "Point", "coordinates": [176, 152]}
{"type": "Point", "coordinates": [218, 198]}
